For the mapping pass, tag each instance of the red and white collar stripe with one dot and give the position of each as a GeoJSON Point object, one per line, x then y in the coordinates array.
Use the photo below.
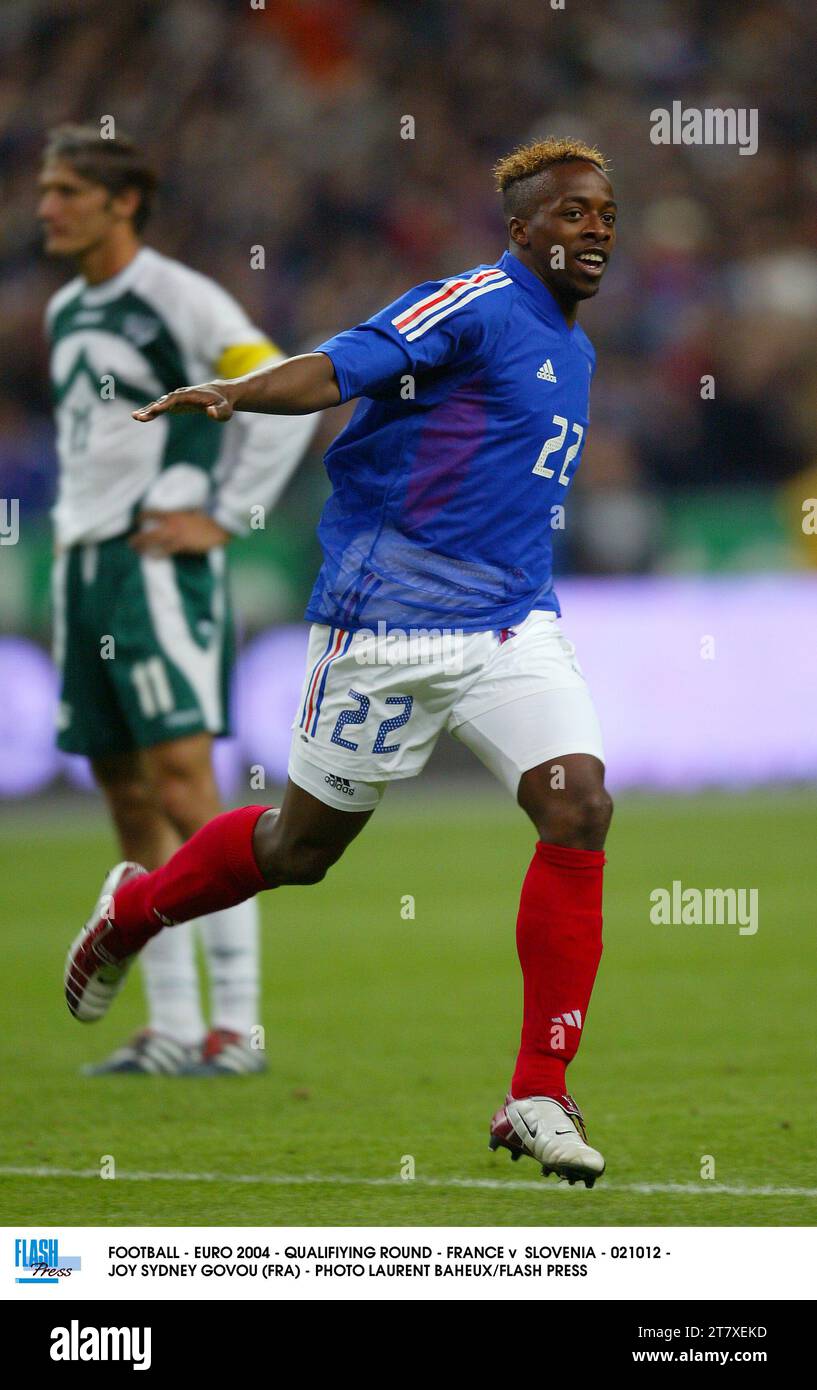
{"type": "Point", "coordinates": [419, 317]}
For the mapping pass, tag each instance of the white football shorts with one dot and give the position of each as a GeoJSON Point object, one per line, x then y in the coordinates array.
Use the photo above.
{"type": "Point", "coordinates": [373, 705]}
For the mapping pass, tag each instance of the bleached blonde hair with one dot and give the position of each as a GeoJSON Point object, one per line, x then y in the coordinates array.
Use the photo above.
{"type": "Point", "coordinates": [526, 161]}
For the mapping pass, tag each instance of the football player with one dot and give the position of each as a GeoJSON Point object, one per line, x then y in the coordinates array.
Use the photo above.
{"type": "Point", "coordinates": [143, 632]}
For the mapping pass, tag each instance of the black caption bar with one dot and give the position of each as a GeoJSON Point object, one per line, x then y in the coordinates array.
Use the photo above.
{"type": "Point", "coordinates": [58, 1338]}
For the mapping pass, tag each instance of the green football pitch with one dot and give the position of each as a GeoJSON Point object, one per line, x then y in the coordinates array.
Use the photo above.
{"type": "Point", "coordinates": [391, 1039]}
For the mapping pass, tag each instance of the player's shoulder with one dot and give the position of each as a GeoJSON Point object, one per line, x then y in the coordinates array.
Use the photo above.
{"type": "Point", "coordinates": [160, 275]}
{"type": "Point", "coordinates": [203, 317]}
{"type": "Point", "coordinates": [62, 297]}
{"type": "Point", "coordinates": [480, 295]}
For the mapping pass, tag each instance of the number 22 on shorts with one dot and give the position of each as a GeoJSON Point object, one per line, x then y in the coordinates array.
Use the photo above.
{"type": "Point", "coordinates": [358, 716]}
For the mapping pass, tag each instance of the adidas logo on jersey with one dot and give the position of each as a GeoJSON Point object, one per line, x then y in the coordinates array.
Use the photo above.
{"type": "Point", "coordinates": [546, 372]}
{"type": "Point", "coordinates": [573, 1018]}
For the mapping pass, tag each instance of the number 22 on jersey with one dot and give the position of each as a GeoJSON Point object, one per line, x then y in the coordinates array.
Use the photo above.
{"type": "Point", "coordinates": [553, 445]}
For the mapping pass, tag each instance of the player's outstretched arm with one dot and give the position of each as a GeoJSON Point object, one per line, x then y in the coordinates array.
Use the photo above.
{"type": "Point", "coordinates": [296, 386]}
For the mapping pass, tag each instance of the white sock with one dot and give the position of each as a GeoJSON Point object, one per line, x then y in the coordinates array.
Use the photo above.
{"type": "Point", "coordinates": [231, 947]}
{"type": "Point", "coordinates": [172, 985]}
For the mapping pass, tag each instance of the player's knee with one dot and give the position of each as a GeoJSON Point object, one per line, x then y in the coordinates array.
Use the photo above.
{"type": "Point", "coordinates": [136, 817]}
{"type": "Point", "coordinates": [307, 864]}
{"type": "Point", "coordinates": [580, 819]}
{"type": "Point", "coordinates": [186, 798]}
{"type": "Point", "coordinates": [289, 857]}
{"type": "Point", "coordinates": [174, 795]}
{"type": "Point", "coordinates": [130, 798]}
{"type": "Point", "coordinates": [597, 813]}
{"type": "Point", "coordinates": [296, 862]}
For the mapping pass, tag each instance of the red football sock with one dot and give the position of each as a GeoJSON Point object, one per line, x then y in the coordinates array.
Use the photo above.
{"type": "Point", "coordinates": [214, 869]}
{"type": "Point", "coordinates": [558, 936]}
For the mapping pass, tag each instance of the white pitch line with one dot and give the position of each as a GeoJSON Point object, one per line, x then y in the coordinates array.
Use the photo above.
{"type": "Point", "coordinates": [344, 1180]}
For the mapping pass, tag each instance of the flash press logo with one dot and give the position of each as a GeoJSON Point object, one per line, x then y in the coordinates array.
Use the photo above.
{"type": "Point", "coordinates": [38, 1261]}
{"type": "Point", "coordinates": [75, 1343]}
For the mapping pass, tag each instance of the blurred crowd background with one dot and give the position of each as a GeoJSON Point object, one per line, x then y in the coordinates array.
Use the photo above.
{"type": "Point", "coordinates": [280, 126]}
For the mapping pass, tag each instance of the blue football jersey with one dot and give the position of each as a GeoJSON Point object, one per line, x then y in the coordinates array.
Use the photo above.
{"type": "Point", "coordinates": [473, 413]}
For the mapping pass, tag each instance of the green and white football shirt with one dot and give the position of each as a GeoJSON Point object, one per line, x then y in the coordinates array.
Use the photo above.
{"type": "Point", "coordinates": [144, 642]}
{"type": "Point", "coordinates": [120, 344]}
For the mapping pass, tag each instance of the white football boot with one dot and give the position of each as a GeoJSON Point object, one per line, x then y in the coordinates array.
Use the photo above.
{"type": "Point", "coordinates": [98, 960]}
{"type": "Point", "coordinates": [224, 1053]}
{"type": "Point", "coordinates": [148, 1054]}
{"type": "Point", "coordinates": [549, 1131]}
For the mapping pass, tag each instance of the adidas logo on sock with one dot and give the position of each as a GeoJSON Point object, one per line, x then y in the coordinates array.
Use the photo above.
{"type": "Point", "coordinates": [573, 1019]}
{"type": "Point", "coordinates": [546, 372]}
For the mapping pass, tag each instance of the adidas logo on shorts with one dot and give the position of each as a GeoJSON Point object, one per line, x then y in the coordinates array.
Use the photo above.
{"type": "Point", "coordinates": [339, 784]}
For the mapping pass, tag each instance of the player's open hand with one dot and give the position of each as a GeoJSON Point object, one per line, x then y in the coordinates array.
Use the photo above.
{"type": "Point", "coordinates": [177, 533]}
{"type": "Point", "coordinates": [188, 400]}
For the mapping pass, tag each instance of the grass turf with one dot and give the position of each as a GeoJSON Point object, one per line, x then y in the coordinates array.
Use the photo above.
{"type": "Point", "coordinates": [389, 1037]}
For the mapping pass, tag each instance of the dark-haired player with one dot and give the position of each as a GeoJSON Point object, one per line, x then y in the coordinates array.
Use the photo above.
{"type": "Point", "coordinates": [435, 610]}
{"type": "Point", "coordinates": [141, 616]}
